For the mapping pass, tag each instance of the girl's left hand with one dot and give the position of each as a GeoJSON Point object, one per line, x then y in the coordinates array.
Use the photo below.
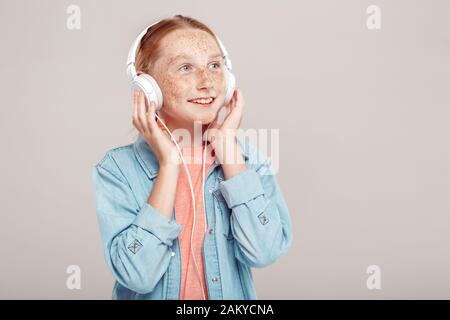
{"type": "Point", "coordinates": [232, 119]}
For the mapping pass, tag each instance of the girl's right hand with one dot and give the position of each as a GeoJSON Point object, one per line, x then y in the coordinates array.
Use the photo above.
{"type": "Point", "coordinates": [154, 132]}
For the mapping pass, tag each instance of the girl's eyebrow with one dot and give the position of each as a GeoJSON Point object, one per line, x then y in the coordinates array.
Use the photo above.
{"type": "Point", "coordinates": [184, 56]}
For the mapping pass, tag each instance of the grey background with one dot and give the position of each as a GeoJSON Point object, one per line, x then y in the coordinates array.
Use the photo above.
{"type": "Point", "coordinates": [363, 118]}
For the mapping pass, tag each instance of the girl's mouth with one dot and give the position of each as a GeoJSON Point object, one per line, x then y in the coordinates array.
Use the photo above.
{"type": "Point", "coordinates": [204, 102]}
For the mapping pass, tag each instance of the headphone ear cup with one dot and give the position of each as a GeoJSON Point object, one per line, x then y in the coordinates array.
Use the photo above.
{"type": "Point", "coordinates": [230, 80]}
{"type": "Point", "coordinates": [149, 86]}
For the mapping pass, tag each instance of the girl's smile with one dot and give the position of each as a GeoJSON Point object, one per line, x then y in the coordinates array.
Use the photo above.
{"type": "Point", "coordinates": [203, 101]}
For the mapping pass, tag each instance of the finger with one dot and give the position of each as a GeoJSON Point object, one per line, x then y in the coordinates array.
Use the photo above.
{"type": "Point", "coordinates": [151, 116]}
{"type": "Point", "coordinates": [141, 113]}
{"type": "Point", "coordinates": [213, 124]}
{"type": "Point", "coordinates": [135, 117]}
{"type": "Point", "coordinates": [215, 121]}
{"type": "Point", "coordinates": [240, 102]}
{"type": "Point", "coordinates": [234, 99]}
{"type": "Point", "coordinates": [235, 117]}
{"type": "Point", "coordinates": [231, 104]}
{"type": "Point", "coordinates": [228, 108]}
{"type": "Point", "coordinates": [234, 105]}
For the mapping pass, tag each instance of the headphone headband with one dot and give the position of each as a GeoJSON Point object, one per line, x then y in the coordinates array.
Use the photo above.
{"type": "Point", "coordinates": [131, 60]}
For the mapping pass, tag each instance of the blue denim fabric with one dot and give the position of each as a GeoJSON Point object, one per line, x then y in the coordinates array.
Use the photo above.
{"type": "Point", "coordinates": [248, 226]}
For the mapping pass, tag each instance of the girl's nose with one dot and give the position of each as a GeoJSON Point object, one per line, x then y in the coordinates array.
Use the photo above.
{"type": "Point", "coordinates": [204, 81]}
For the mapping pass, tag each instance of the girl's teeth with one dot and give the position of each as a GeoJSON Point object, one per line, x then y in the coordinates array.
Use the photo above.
{"type": "Point", "coordinates": [203, 101]}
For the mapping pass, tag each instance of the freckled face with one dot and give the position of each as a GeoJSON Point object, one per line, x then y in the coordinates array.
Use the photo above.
{"type": "Point", "coordinates": [189, 66]}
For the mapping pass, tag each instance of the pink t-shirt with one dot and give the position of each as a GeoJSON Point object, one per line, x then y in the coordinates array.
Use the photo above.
{"type": "Point", "coordinates": [190, 283]}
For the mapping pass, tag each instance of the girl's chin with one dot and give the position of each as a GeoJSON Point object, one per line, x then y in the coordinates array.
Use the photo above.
{"type": "Point", "coordinates": [205, 116]}
{"type": "Point", "coordinates": [204, 120]}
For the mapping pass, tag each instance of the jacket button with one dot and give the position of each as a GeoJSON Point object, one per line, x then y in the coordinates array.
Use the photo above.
{"type": "Point", "coordinates": [210, 231]}
{"type": "Point", "coordinates": [172, 253]}
{"type": "Point", "coordinates": [210, 190]}
{"type": "Point", "coordinates": [214, 279]}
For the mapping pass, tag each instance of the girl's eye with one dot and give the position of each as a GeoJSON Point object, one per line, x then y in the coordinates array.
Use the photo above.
{"type": "Point", "coordinates": [215, 65]}
{"type": "Point", "coordinates": [184, 68]}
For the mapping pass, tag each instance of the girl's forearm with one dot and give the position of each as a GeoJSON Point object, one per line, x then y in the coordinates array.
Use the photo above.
{"type": "Point", "coordinates": [162, 196]}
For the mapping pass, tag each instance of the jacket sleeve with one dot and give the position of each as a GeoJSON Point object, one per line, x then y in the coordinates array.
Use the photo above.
{"type": "Point", "coordinates": [136, 240]}
{"type": "Point", "coordinates": [260, 221]}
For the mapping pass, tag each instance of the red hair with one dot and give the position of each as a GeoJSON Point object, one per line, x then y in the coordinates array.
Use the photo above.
{"type": "Point", "coordinates": [150, 48]}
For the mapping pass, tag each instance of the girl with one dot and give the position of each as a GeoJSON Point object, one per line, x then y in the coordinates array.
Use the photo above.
{"type": "Point", "coordinates": [153, 244]}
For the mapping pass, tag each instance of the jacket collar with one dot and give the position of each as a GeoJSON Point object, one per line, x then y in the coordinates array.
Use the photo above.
{"type": "Point", "coordinates": [149, 162]}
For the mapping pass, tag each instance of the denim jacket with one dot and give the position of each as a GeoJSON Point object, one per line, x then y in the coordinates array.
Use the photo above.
{"type": "Point", "coordinates": [247, 218]}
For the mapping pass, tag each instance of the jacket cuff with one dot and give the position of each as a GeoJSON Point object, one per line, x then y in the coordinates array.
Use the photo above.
{"type": "Point", "coordinates": [154, 222]}
{"type": "Point", "coordinates": [241, 188]}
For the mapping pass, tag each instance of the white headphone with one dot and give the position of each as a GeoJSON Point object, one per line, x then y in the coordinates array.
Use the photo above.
{"type": "Point", "coordinates": [146, 83]}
